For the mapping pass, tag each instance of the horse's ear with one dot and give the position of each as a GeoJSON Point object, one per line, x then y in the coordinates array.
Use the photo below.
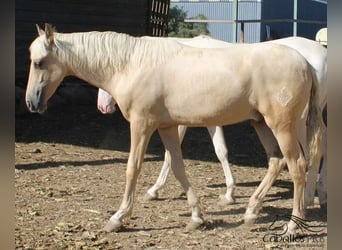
{"type": "Point", "coordinates": [39, 30]}
{"type": "Point", "coordinates": [49, 35]}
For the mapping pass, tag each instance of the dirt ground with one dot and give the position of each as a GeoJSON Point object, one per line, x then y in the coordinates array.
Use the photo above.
{"type": "Point", "coordinates": [70, 177]}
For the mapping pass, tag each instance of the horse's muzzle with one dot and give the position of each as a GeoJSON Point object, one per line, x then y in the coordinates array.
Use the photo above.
{"type": "Point", "coordinates": [35, 107]}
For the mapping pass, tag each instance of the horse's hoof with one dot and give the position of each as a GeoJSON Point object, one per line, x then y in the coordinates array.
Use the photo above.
{"type": "Point", "coordinates": [289, 232]}
{"type": "Point", "coordinates": [148, 197]}
{"type": "Point", "coordinates": [224, 201]}
{"type": "Point", "coordinates": [250, 219]}
{"type": "Point", "coordinates": [112, 226]}
{"type": "Point", "coordinates": [193, 225]}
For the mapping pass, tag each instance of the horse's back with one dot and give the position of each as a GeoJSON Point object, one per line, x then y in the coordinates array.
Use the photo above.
{"type": "Point", "coordinates": [232, 84]}
{"type": "Point", "coordinates": [205, 42]}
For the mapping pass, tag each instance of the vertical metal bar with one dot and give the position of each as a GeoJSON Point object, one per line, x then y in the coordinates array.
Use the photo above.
{"type": "Point", "coordinates": [242, 32]}
{"type": "Point", "coordinates": [295, 16]}
{"type": "Point", "coordinates": [235, 18]}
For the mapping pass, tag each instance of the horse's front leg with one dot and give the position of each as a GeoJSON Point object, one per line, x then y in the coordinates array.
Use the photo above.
{"type": "Point", "coordinates": [140, 136]}
{"type": "Point", "coordinates": [152, 192]}
{"type": "Point", "coordinates": [171, 143]}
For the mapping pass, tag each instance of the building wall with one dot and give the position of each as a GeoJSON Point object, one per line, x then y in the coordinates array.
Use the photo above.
{"type": "Point", "coordinates": [307, 10]}
{"type": "Point", "coordinates": [71, 16]}
{"type": "Point", "coordinates": [311, 10]}
{"type": "Point", "coordinates": [254, 10]}
{"type": "Point", "coordinates": [135, 17]}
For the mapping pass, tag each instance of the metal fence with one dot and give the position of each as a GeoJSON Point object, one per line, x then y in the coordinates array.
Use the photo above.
{"type": "Point", "coordinates": [159, 11]}
{"type": "Point", "coordinates": [223, 10]}
{"type": "Point", "coordinates": [248, 20]}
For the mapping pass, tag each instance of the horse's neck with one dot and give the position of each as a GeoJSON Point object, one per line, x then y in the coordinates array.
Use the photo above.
{"type": "Point", "coordinates": [89, 59]}
{"type": "Point", "coordinates": [96, 57]}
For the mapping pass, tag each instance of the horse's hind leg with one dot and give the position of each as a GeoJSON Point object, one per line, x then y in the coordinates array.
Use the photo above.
{"type": "Point", "coordinates": [171, 143]}
{"type": "Point", "coordinates": [311, 183]}
{"type": "Point", "coordinates": [297, 164]}
{"type": "Point", "coordinates": [322, 182]}
{"type": "Point", "coordinates": [312, 171]}
{"type": "Point", "coordinates": [152, 192]}
{"type": "Point", "coordinates": [217, 136]}
{"type": "Point", "coordinates": [275, 164]}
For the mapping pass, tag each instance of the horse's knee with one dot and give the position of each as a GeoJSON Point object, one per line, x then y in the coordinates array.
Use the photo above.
{"type": "Point", "coordinates": [131, 173]}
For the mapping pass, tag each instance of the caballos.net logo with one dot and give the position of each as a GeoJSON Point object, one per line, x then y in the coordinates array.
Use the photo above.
{"type": "Point", "coordinates": [278, 232]}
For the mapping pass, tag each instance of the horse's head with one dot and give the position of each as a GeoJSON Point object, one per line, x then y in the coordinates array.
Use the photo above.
{"type": "Point", "coordinates": [105, 102]}
{"type": "Point", "coordinates": [46, 71]}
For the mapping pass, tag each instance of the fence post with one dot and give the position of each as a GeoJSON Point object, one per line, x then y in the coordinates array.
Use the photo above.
{"type": "Point", "coordinates": [242, 32]}
{"type": "Point", "coordinates": [295, 16]}
{"type": "Point", "coordinates": [235, 18]}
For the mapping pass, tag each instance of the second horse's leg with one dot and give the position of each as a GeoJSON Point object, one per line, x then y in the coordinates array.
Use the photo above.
{"type": "Point", "coordinates": [217, 136]}
{"type": "Point", "coordinates": [152, 192]}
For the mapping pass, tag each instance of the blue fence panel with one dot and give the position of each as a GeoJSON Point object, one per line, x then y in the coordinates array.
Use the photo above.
{"type": "Point", "coordinates": [223, 10]}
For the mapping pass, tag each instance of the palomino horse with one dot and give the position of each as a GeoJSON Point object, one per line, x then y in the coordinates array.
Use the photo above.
{"type": "Point", "coordinates": [155, 90]}
{"type": "Point", "coordinates": [316, 55]}
{"type": "Point", "coordinates": [106, 104]}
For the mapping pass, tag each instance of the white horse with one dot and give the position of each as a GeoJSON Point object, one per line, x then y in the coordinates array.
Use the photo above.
{"type": "Point", "coordinates": [316, 55]}
{"type": "Point", "coordinates": [156, 90]}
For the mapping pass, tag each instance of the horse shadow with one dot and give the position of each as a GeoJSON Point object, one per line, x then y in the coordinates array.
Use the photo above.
{"type": "Point", "coordinates": [93, 163]}
{"type": "Point", "coordinates": [84, 125]}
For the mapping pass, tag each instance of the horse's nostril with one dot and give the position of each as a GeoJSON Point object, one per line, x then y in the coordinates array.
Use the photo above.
{"type": "Point", "coordinates": [39, 103]}
{"type": "Point", "coordinates": [29, 104]}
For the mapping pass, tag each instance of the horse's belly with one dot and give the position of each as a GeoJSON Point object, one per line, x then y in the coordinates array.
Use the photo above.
{"type": "Point", "coordinates": [207, 101]}
{"type": "Point", "coordinates": [214, 113]}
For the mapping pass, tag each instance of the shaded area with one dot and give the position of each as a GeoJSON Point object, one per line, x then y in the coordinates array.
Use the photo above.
{"type": "Point", "coordinates": [96, 163]}
{"type": "Point", "coordinates": [83, 125]}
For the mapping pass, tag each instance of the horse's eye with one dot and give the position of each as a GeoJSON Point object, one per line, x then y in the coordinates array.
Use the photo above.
{"type": "Point", "coordinates": [38, 65]}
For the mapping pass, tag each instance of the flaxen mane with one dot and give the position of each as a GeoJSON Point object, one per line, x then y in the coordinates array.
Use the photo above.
{"type": "Point", "coordinates": [111, 51]}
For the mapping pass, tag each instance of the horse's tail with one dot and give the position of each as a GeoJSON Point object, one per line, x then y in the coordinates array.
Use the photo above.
{"type": "Point", "coordinates": [314, 124]}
